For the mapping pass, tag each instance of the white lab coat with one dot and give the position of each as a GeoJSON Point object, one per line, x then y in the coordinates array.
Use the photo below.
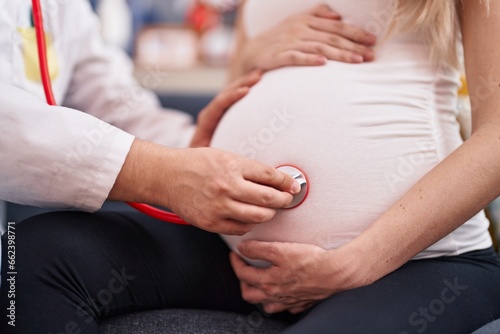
{"type": "Point", "coordinates": [67, 156]}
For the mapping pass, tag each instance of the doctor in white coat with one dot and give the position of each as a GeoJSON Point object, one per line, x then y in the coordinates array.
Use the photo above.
{"type": "Point", "coordinates": [110, 139]}
{"type": "Point", "coordinates": [93, 147]}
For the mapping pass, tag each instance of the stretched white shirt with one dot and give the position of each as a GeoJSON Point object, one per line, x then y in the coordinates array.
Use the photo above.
{"type": "Point", "coordinates": [364, 134]}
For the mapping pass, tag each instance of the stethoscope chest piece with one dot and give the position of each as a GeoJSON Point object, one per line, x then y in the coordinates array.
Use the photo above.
{"type": "Point", "coordinates": [298, 175]}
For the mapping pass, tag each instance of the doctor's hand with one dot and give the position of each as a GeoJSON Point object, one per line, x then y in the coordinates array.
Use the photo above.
{"type": "Point", "coordinates": [300, 275]}
{"type": "Point", "coordinates": [209, 117]}
{"type": "Point", "coordinates": [209, 188]}
{"type": "Point", "coordinates": [307, 39]}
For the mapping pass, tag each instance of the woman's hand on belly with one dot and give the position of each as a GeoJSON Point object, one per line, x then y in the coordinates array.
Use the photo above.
{"type": "Point", "coordinates": [306, 39]}
{"type": "Point", "coordinates": [209, 117]}
{"type": "Point", "coordinates": [300, 274]}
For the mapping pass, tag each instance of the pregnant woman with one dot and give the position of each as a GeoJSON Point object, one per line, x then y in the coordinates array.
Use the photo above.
{"type": "Point", "coordinates": [391, 238]}
{"type": "Point", "coordinates": [390, 179]}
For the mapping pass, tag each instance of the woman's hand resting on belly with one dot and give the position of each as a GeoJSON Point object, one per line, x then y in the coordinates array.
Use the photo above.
{"type": "Point", "coordinates": [300, 274]}
{"type": "Point", "coordinates": [306, 39]}
{"type": "Point", "coordinates": [210, 116]}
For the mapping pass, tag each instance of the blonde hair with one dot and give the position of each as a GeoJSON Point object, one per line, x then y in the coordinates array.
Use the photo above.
{"type": "Point", "coordinates": [437, 21]}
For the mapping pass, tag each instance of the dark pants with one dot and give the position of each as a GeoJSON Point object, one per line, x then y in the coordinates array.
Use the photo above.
{"type": "Point", "coordinates": [74, 269]}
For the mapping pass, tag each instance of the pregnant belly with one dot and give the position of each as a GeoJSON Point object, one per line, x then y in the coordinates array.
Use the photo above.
{"type": "Point", "coordinates": [361, 145]}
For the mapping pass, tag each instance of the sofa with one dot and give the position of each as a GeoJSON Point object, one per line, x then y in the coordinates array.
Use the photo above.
{"type": "Point", "coordinates": [491, 328]}
{"type": "Point", "coordinates": [191, 322]}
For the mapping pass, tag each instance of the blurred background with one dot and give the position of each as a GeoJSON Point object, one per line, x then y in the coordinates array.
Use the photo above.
{"type": "Point", "coordinates": [181, 48]}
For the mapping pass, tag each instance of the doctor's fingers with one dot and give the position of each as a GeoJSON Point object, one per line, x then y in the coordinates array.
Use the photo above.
{"type": "Point", "coordinates": [247, 213]}
{"type": "Point", "coordinates": [229, 227]}
{"type": "Point", "coordinates": [269, 176]}
{"type": "Point", "coordinates": [260, 195]}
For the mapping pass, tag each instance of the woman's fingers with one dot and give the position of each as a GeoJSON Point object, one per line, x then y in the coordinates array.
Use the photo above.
{"type": "Point", "coordinates": [332, 39]}
{"type": "Point", "coordinates": [210, 116]}
{"type": "Point", "coordinates": [277, 47]}
{"type": "Point", "coordinates": [245, 272]}
{"type": "Point", "coordinates": [247, 80]}
{"type": "Point", "coordinates": [335, 47]}
{"type": "Point", "coordinates": [271, 304]}
{"type": "Point", "coordinates": [300, 307]}
{"type": "Point", "coordinates": [275, 307]}
{"type": "Point", "coordinates": [326, 12]}
{"type": "Point", "coordinates": [256, 290]}
{"type": "Point", "coordinates": [293, 57]}
{"type": "Point", "coordinates": [262, 250]}
{"type": "Point", "coordinates": [343, 43]}
{"type": "Point", "coordinates": [218, 106]}
{"type": "Point", "coordinates": [345, 30]}
{"type": "Point", "coordinates": [330, 52]}
{"type": "Point", "coordinates": [252, 294]}
{"type": "Point", "coordinates": [231, 94]}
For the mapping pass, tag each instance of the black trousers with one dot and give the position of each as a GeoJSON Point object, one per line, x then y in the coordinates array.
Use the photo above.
{"type": "Point", "coordinates": [75, 269]}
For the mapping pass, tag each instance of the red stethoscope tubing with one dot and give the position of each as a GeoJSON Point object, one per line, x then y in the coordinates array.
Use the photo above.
{"type": "Point", "coordinates": [49, 95]}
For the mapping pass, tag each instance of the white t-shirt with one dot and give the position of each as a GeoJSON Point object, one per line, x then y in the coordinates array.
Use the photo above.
{"type": "Point", "coordinates": [363, 133]}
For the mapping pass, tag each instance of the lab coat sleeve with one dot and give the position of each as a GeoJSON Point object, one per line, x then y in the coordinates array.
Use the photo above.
{"type": "Point", "coordinates": [55, 156]}
{"type": "Point", "coordinates": [103, 85]}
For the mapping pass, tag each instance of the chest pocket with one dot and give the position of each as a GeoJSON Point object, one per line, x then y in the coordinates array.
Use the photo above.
{"type": "Point", "coordinates": [30, 55]}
